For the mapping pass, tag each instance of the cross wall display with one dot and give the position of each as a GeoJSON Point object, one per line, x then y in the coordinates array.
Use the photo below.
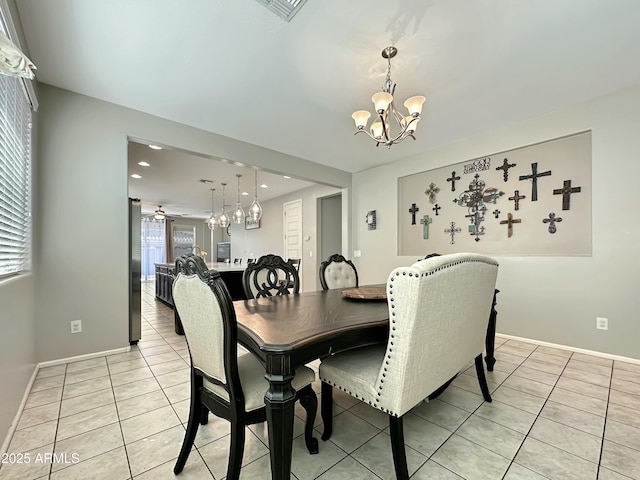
{"type": "Point", "coordinates": [532, 200]}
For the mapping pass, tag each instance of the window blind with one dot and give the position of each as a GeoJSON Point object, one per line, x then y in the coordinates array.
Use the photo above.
{"type": "Point", "coordinates": [15, 175]}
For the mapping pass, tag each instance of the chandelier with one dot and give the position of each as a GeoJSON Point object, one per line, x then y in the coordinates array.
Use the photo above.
{"type": "Point", "coordinates": [380, 130]}
{"type": "Point", "coordinates": [211, 222]}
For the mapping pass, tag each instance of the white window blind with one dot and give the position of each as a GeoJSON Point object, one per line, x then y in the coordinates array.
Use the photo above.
{"type": "Point", "coordinates": [15, 175]}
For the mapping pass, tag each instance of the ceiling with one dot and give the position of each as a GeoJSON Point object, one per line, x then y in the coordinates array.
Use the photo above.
{"type": "Point", "coordinates": [236, 69]}
{"type": "Point", "coordinates": [173, 180]}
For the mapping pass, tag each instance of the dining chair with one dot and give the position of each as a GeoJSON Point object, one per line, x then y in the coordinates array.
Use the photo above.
{"type": "Point", "coordinates": [338, 272]}
{"type": "Point", "coordinates": [269, 276]}
{"type": "Point", "coordinates": [237, 261]}
{"type": "Point", "coordinates": [229, 385]}
{"type": "Point", "coordinates": [438, 310]}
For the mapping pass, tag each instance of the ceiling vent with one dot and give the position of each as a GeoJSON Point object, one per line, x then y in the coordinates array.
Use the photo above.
{"type": "Point", "coordinates": [283, 8]}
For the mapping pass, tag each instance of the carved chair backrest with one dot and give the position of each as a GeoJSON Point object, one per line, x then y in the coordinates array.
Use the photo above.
{"type": "Point", "coordinates": [338, 272]}
{"type": "Point", "coordinates": [206, 310]}
{"type": "Point", "coordinates": [269, 276]}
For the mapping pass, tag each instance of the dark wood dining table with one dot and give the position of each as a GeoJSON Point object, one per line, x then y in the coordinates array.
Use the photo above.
{"type": "Point", "coordinates": [288, 331]}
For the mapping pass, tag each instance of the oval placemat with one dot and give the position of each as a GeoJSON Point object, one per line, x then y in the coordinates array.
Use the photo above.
{"type": "Point", "coordinates": [365, 293]}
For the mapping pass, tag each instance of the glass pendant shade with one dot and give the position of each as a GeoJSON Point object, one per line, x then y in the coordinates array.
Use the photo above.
{"type": "Point", "coordinates": [223, 219]}
{"type": "Point", "coordinates": [361, 117]}
{"type": "Point", "coordinates": [376, 129]}
{"type": "Point", "coordinates": [381, 100]}
{"type": "Point", "coordinates": [255, 210]}
{"type": "Point", "coordinates": [414, 105]}
{"type": "Point", "coordinates": [238, 213]}
{"type": "Point", "coordinates": [211, 222]}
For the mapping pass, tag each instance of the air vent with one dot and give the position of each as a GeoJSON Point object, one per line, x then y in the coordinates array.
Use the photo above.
{"type": "Point", "coordinates": [283, 8]}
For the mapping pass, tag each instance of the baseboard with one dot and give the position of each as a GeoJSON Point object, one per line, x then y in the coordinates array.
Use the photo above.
{"type": "Point", "coordinates": [51, 363]}
{"type": "Point", "coordinates": [86, 356]}
{"type": "Point", "coordinates": [572, 349]}
{"type": "Point", "coordinates": [14, 424]}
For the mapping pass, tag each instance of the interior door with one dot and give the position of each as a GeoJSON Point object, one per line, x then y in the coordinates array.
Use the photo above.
{"type": "Point", "coordinates": [292, 222]}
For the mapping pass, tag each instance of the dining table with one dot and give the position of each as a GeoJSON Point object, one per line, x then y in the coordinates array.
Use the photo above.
{"type": "Point", "coordinates": [288, 331]}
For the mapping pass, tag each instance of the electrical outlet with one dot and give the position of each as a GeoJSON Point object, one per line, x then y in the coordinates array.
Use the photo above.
{"type": "Point", "coordinates": [76, 326]}
{"type": "Point", "coordinates": [602, 323]}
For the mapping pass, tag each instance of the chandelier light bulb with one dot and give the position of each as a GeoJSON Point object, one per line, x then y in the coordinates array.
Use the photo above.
{"type": "Point", "coordinates": [381, 100]}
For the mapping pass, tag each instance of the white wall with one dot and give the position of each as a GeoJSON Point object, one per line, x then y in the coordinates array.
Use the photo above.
{"type": "Point", "coordinates": [552, 299]}
{"type": "Point", "coordinates": [269, 237]}
{"type": "Point", "coordinates": [82, 246]}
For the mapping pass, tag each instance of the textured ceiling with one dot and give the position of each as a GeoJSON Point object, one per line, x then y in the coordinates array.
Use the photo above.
{"type": "Point", "coordinates": [236, 69]}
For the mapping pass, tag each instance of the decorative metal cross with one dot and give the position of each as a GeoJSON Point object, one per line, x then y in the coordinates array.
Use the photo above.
{"type": "Point", "coordinates": [566, 192]}
{"type": "Point", "coordinates": [475, 228]}
{"type": "Point", "coordinates": [413, 210]}
{"type": "Point", "coordinates": [436, 209]}
{"type": "Point", "coordinates": [552, 220]}
{"type": "Point", "coordinates": [516, 199]}
{"type": "Point", "coordinates": [425, 221]}
{"type": "Point", "coordinates": [453, 179]}
{"type": "Point", "coordinates": [431, 192]}
{"type": "Point", "coordinates": [496, 213]}
{"type": "Point", "coordinates": [452, 230]}
{"type": "Point", "coordinates": [506, 166]}
{"type": "Point", "coordinates": [509, 222]}
{"type": "Point", "coordinates": [534, 180]}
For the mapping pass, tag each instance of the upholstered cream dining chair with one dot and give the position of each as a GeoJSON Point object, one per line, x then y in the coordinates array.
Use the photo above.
{"type": "Point", "coordinates": [338, 272]}
{"type": "Point", "coordinates": [438, 311]}
{"type": "Point", "coordinates": [229, 385]}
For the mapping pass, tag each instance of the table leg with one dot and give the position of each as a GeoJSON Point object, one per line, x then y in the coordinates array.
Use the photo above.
{"type": "Point", "coordinates": [490, 340]}
{"type": "Point", "coordinates": [280, 403]}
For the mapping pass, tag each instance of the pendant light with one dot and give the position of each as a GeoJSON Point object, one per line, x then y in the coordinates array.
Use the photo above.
{"type": "Point", "coordinates": [211, 222]}
{"type": "Point", "coordinates": [223, 219]}
{"type": "Point", "coordinates": [238, 214]}
{"type": "Point", "coordinates": [255, 210]}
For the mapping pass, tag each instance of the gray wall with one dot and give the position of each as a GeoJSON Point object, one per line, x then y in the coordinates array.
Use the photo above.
{"type": "Point", "coordinates": [331, 226]}
{"type": "Point", "coordinates": [551, 299]}
{"type": "Point", "coordinates": [269, 237]}
{"type": "Point", "coordinates": [17, 314]}
{"type": "Point", "coordinates": [82, 244]}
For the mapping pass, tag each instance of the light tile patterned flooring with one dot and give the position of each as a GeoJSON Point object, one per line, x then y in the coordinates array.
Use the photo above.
{"type": "Point", "coordinates": [555, 415]}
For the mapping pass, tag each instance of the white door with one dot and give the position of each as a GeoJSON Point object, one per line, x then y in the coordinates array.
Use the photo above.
{"type": "Point", "coordinates": [292, 221]}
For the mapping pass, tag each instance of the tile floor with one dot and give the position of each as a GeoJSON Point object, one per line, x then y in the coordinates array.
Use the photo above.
{"type": "Point", "coordinates": [555, 415]}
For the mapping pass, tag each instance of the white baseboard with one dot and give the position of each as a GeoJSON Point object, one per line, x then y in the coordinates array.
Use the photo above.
{"type": "Point", "coordinates": [14, 424]}
{"type": "Point", "coordinates": [86, 356]}
{"type": "Point", "coordinates": [572, 349]}
{"type": "Point", "coordinates": [50, 363]}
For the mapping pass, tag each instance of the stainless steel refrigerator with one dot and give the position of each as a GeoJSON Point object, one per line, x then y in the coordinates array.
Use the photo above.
{"type": "Point", "coordinates": [135, 271]}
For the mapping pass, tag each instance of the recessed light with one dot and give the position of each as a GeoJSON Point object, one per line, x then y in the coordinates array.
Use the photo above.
{"type": "Point", "coordinates": [245, 193]}
{"type": "Point", "coordinates": [264, 185]}
{"type": "Point", "coordinates": [286, 176]}
{"type": "Point", "coordinates": [144, 164]}
{"type": "Point", "coordinates": [135, 175]}
{"type": "Point", "coordinates": [155, 147]}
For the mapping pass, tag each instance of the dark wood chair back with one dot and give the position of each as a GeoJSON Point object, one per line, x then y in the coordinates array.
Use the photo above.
{"type": "Point", "coordinates": [269, 276]}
